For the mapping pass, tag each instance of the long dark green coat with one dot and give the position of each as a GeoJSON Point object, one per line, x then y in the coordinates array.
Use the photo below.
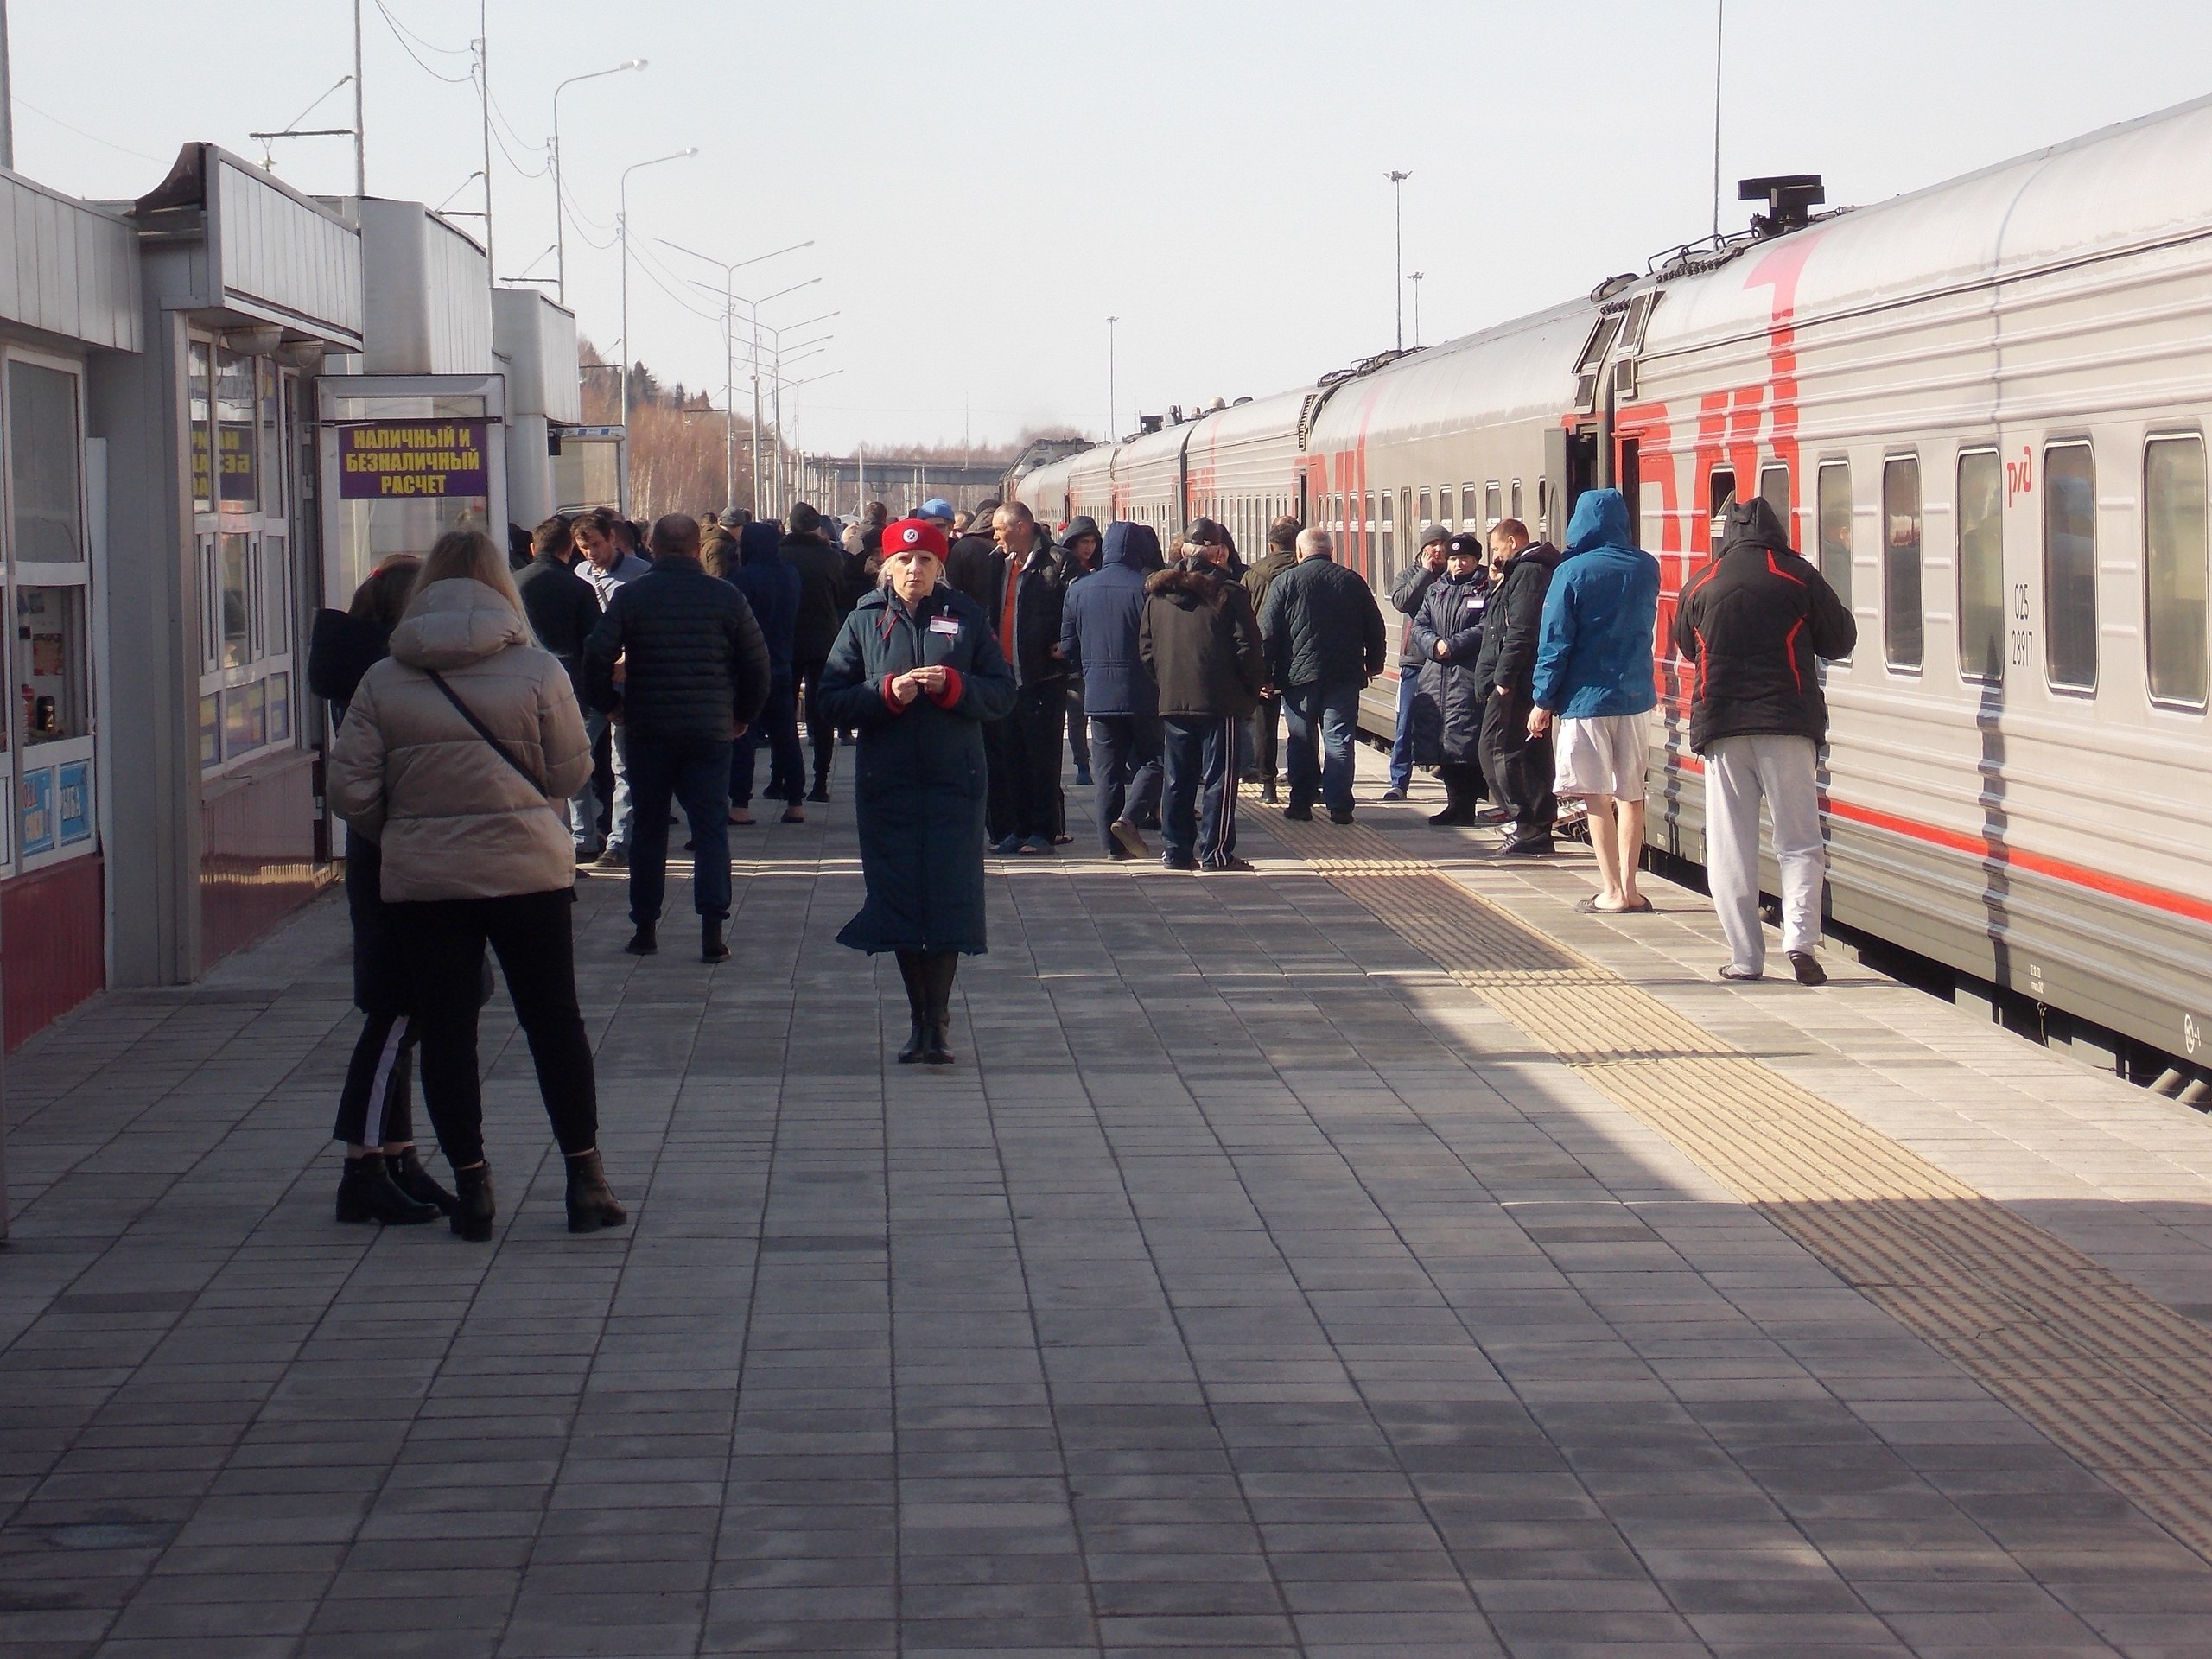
{"type": "Point", "coordinates": [921, 782]}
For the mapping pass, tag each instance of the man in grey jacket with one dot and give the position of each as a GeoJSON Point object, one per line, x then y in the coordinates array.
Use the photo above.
{"type": "Point", "coordinates": [1407, 594]}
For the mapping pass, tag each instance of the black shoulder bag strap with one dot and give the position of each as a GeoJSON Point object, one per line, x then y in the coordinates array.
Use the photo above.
{"type": "Point", "coordinates": [483, 731]}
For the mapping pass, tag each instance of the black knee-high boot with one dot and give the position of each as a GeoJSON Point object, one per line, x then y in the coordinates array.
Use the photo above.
{"type": "Point", "coordinates": [911, 970]}
{"type": "Point", "coordinates": [937, 972]}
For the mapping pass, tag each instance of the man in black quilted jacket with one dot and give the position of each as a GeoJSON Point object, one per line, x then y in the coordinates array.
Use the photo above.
{"type": "Point", "coordinates": [1753, 622]}
{"type": "Point", "coordinates": [679, 659]}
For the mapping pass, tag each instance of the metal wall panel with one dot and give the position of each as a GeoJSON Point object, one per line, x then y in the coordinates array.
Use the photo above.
{"type": "Point", "coordinates": [284, 253]}
{"type": "Point", "coordinates": [71, 270]}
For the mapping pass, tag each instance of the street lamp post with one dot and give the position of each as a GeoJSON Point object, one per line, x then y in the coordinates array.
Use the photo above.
{"type": "Point", "coordinates": [777, 407]}
{"type": "Point", "coordinates": [1110, 428]}
{"type": "Point", "coordinates": [1398, 212]}
{"type": "Point", "coordinates": [1414, 277]}
{"type": "Point", "coordinates": [560, 184]}
{"type": "Point", "coordinates": [622, 232]}
{"type": "Point", "coordinates": [752, 310]}
{"type": "Point", "coordinates": [729, 354]}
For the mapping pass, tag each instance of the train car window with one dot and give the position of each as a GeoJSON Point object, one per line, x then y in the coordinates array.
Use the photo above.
{"type": "Point", "coordinates": [1468, 516]}
{"type": "Point", "coordinates": [1515, 499]}
{"type": "Point", "coordinates": [1901, 606]}
{"type": "Point", "coordinates": [1444, 515]}
{"type": "Point", "coordinates": [1835, 527]}
{"type": "Point", "coordinates": [1388, 569]}
{"type": "Point", "coordinates": [2070, 565]}
{"type": "Point", "coordinates": [1981, 566]}
{"type": "Point", "coordinates": [1774, 490]}
{"type": "Point", "coordinates": [1720, 496]}
{"type": "Point", "coordinates": [1493, 503]}
{"type": "Point", "coordinates": [2176, 570]}
{"type": "Point", "coordinates": [1427, 517]}
{"type": "Point", "coordinates": [1600, 342]}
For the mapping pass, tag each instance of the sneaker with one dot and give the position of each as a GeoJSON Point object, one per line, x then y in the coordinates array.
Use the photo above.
{"type": "Point", "coordinates": [1270, 793]}
{"type": "Point", "coordinates": [1228, 866]}
{"type": "Point", "coordinates": [1169, 861]}
{"type": "Point", "coordinates": [1036, 847]}
{"type": "Point", "coordinates": [1340, 815]}
{"type": "Point", "coordinates": [1008, 847]}
{"type": "Point", "coordinates": [614, 858]}
{"type": "Point", "coordinates": [1128, 838]}
{"type": "Point", "coordinates": [1526, 847]}
{"type": "Point", "coordinates": [1297, 814]}
{"type": "Point", "coordinates": [1808, 969]}
{"type": "Point", "coordinates": [588, 854]}
{"type": "Point", "coordinates": [1395, 793]}
{"type": "Point", "coordinates": [1496, 815]}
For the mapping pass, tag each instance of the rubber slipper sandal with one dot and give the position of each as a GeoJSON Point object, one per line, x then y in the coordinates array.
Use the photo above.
{"type": "Point", "coordinates": [1590, 906]}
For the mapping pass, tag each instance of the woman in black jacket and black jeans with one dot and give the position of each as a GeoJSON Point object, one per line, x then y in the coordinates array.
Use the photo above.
{"type": "Point", "coordinates": [384, 1179]}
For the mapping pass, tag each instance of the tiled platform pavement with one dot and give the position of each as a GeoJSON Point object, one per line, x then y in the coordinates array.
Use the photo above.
{"type": "Point", "coordinates": [1252, 1287]}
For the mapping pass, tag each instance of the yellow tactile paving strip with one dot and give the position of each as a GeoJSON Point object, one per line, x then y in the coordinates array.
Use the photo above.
{"type": "Point", "coordinates": [2120, 1381]}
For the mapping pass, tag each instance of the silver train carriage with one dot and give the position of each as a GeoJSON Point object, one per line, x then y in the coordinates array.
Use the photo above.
{"type": "Point", "coordinates": [1983, 408]}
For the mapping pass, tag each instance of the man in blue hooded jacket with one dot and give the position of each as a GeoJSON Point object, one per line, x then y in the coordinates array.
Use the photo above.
{"type": "Point", "coordinates": [1594, 675]}
{"type": "Point", "coordinates": [1099, 626]}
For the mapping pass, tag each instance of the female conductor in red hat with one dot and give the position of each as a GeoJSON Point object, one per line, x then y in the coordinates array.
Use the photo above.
{"type": "Point", "coordinates": [918, 671]}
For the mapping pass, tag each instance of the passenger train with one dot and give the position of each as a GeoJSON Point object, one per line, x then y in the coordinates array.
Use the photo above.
{"type": "Point", "coordinates": [1983, 408]}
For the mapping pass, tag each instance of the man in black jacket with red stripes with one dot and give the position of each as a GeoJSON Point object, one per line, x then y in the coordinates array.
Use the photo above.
{"type": "Point", "coordinates": [1754, 622]}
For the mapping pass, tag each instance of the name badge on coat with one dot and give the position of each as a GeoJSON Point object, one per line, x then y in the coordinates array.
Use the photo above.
{"type": "Point", "coordinates": [947, 625]}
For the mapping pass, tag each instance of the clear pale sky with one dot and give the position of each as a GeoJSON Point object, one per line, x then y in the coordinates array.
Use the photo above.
{"type": "Point", "coordinates": [985, 182]}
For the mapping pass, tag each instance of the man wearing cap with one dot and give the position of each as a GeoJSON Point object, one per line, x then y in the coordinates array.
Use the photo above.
{"type": "Point", "coordinates": [1408, 593]}
{"type": "Point", "coordinates": [974, 565]}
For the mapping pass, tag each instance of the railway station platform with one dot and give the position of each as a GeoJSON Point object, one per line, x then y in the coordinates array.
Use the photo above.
{"type": "Point", "coordinates": [1367, 1257]}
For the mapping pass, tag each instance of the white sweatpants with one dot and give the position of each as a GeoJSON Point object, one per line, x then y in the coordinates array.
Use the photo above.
{"type": "Point", "coordinates": [1738, 772]}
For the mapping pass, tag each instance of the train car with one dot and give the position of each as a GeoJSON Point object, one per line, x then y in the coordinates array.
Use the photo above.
{"type": "Point", "coordinates": [1091, 483]}
{"type": "Point", "coordinates": [1148, 482]}
{"type": "Point", "coordinates": [1046, 490]}
{"type": "Point", "coordinates": [1456, 435]}
{"type": "Point", "coordinates": [1241, 466]}
{"type": "Point", "coordinates": [1983, 408]}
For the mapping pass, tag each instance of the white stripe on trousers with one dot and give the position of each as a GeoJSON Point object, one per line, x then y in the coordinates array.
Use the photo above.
{"type": "Point", "coordinates": [380, 1085]}
{"type": "Point", "coordinates": [1225, 831]}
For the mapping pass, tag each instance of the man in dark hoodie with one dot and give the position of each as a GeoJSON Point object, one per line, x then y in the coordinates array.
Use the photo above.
{"type": "Point", "coordinates": [1267, 718]}
{"type": "Point", "coordinates": [1754, 621]}
{"type": "Point", "coordinates": [1201, 643]}
{"type": "Point", "coordinates": [1100, 625]}
{"type": "Point", "coordinates": [1516, 765]}
{"type": "Point", "coordinates": [822, 601]}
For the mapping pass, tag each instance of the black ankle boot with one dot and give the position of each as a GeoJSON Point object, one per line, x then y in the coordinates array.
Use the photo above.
{"type": "Point", "coordinates": [821, 789]}
{"type": "Point", "coordinates": [473, 1208]}
{"type": "Point", "coordinates": [644, 941]}
{"type": "Point", "coordinates": [417, 1182]}
{"type": "Point", "coordinates": [910, 970]}
{"type": "Point", "coordinates": [712, 946]}
{"type": "Point", "coordinates": [591, 1204]}
{"type": "Point", "coordinates": [365, 1193]}
{"type": "Point", "coordinates": [937, 972]}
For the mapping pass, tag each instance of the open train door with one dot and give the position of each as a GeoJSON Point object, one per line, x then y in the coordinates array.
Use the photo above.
{"type": "Point", "coordinates": [1570, 467]}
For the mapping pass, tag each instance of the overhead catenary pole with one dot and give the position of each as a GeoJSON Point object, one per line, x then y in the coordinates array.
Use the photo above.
{"type": "Point", "coordinates": [730, 299]}
{"type": "Point", "coordinates": [361, 135]}
{"type": "Point", "coordinates": [1720, 23]}
{"type": "Point", "coordinates": [1398, 214]}
{"type": "Point", "coordinates": [484, 97]}
{"type": "Point", "coordinates": [1111, 428]}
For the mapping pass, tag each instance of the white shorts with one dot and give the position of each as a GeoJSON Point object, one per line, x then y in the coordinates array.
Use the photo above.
{"type": "Point", "coordinates": [1605, 755]}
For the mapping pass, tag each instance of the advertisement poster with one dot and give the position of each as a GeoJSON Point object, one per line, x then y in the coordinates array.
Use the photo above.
{"type": "Point", "coordinates": [35, 800]}
{"type": "Point", "coordinates": [74, 804]}
{"type": "Point", "coordinates": [403, 460]}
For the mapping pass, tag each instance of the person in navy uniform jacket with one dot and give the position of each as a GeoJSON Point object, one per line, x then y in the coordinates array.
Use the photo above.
{"type": "Point", "coordinates": [918, 671]}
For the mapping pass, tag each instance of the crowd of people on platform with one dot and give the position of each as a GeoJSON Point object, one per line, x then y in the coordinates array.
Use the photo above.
{"type": "Point", "coordinates": [504, 720]}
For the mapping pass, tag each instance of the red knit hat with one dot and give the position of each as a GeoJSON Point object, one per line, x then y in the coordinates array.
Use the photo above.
{"type": "Point", "coordinates": [913, 536]}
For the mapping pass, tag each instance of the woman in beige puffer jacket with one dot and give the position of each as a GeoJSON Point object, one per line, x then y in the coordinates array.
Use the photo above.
{"type": "Point", "coordinates": [476, 850]}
